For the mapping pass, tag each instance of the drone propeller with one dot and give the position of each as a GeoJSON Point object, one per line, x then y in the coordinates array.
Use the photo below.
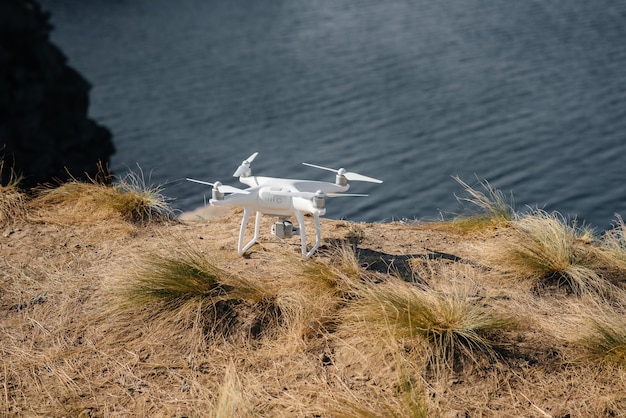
{"type": "Point", "coordinates": [346, 195]}
{"type": "Point", "coordinates": [347, 174]}
{"type": "Point", "coordinates": [221, 187]}
{"type": "Point", "coordinates": [244, 167]}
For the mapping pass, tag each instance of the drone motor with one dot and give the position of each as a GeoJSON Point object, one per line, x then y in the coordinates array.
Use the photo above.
{"type": "Point", "coordinates": [216, 194]}
{"type": "Point", "coordinates": [340, 178]}
{"type": "Point", "coordinates": [319, 200]}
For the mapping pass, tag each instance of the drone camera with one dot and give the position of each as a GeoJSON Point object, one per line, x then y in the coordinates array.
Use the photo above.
{"type": "Point", "coordinates": [284, 229]}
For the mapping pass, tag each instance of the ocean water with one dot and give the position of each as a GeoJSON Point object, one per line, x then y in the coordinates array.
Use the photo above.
{"type": "Point", "coordinates": [529, 96]}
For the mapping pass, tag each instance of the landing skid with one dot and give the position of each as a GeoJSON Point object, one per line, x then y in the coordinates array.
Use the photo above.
{"type": "Point", "coordinates": [306, 254]}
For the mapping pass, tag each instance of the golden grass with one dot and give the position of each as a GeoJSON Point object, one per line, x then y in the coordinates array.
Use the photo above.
{"type": "Point", "coordinates": [606, 342]}
{"type": "Point", "coordinates": [148, 200]}
{"type": "Point", "coordinates": [600, 330]}
{"type": "Point", "coordinates": [185, 287]}
{"type": "Point", "coordinates": [76, 202]}
{"type": "Point", "coordinates": [12, 199]}
{"type": "Point", "coordinates": [452, 324]}
{"type": "Point", "coordinates": [545, 250]}
{"type": "Point", "coordinates": [342, 270]}
{"type": "Point", "coordinates": [310, 298]}
{"type": "Point", "coordinates": [230, 401]}
{"type": "Point", "coordinates": [614, 242]}
{"type": "Point", "coordinates": [169, 322]}
{"type": "Point", "coordinates": [491, 210]}
{"type": "Point", "coordinates": [184, 274]}
{"type": "Point", "coordinates": [409, 400]}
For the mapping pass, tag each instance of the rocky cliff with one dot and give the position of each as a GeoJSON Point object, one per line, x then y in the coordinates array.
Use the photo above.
{"type": "Point", "coordinates": [45, 132]}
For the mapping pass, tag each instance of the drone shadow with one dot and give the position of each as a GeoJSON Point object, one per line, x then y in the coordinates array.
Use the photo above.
{"type": "Point", "coordinates": [398, 264]}
{"type": "Point", "coordinates": [395, 263]}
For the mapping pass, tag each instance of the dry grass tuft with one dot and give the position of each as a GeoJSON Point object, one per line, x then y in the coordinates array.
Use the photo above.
{"type": "Point", "coordinates": [452, 324]}
{"type": "Point", "coordinates": [410, 400]}
{"type": "Point", "coordinates": [602, 333]}
{"type": "Point", "coordinates": [185, 274]}
{"type": "Point", "coordinates": [12, 199]}
{"type": "Point", "coordinates": [147, 202]}
{"type": "Point", "coordinates": [310, 298]}
{"type": "Point", "coordinates": [343, 268]}
{"type": "Point", "coordinates": [130, 200]}
{"type": "Point", "coordinates": [614, 242]}
{"type": "Point", "coordinates": [492, 210]}
{"type": "Point", "coordinates": [607, 340]}
{"type": "Point", "coordinates": [186, 286]}
{"type": "Point", "coordinates": [547, 251]}
{"type": "Point", "coordinates": [230, 401]}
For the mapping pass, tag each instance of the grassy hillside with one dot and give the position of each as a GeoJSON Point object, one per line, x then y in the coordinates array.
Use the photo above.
{"type": "Point", "coordinates": [109, 306]}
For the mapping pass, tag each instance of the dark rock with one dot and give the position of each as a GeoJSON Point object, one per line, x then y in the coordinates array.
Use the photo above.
{"type": "Point", "coordinates": [45, 133]}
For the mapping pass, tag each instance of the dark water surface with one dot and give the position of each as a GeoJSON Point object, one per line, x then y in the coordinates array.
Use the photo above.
{"type": "Point", "coordinates": [529, 95]}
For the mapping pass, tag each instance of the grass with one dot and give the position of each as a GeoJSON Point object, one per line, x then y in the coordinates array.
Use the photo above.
{"type": "Point", "coordinates": [614, 242]}
{"type": "Point", "coordinates": [412, 403]}
{"type": "Point", "coordinates": [453, 326]}
{"type": "Point", "coordinates": [169, 321]}
{"type": "Point", "coordinates": [174, 279]}
{"type": "Point", "coordinates": [491, 209]}
{"type": "Point", "coordinates": [230, 401]}
{"type": "Point", "coordinates": [311, 297]}
{"type": "Point", "coordinates": [602, 333]}
{"type": "Point", "coordinates": [607, 341]}
{"type": "Point", "coordinates": [546, 250]}
{"type": "Point", "coordinates": [130, 199]}
{"type": "Point", "coordinates": [144, 201]}
{"type": "Point", "coordinates": [185, 283]}
{"type": "Point", "coordinates": [342, 270]}
{"type": "Point", "coordinates": [12, 199]}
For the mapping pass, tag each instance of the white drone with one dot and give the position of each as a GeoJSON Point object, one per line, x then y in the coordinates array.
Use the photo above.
{"type": "Point", "coordinates": [282, 198]}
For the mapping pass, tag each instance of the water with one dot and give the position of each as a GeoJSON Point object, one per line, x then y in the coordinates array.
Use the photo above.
{"type": "Point", "coordinates": [530, 96]}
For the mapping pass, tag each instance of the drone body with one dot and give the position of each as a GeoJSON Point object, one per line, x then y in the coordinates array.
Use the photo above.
{"type": "Point", "coordinates": [282, 198]}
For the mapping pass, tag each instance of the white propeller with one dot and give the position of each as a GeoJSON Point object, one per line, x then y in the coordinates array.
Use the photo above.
{"type": "Point", "coordinates": [220, 187]}
{"type": "Point", "coordinates": [347, 174]}
{"type": "Point", "coordinates": [244, 168]}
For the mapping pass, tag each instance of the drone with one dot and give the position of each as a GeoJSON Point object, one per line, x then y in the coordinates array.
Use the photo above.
{"type": "Point", "coordinates": [282, 198]}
